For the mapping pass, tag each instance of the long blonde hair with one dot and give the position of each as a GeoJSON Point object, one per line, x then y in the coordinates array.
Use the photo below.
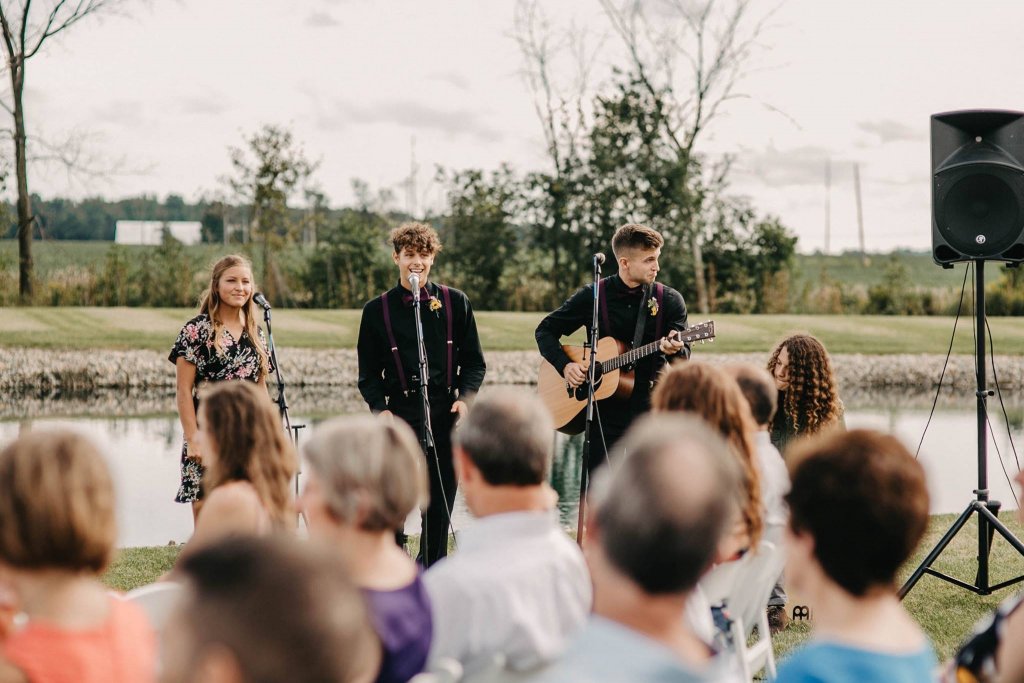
{"type": "Point", "coordinates": [209, 303]}
{"type": "Point", "coordinates": [251, 445]}
{"type": "Point", "coordinates": [709, 393]}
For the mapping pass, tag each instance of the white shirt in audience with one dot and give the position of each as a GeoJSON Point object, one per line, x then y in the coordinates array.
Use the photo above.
{"type": "Point", "coordinates": [517, 586]}
{"type": "Point", "coordinates": [774, 480]}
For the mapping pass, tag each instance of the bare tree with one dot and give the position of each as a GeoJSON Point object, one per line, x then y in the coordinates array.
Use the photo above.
{"type": "Point", "coordinates": [693, 56]}
{"type": "Point", "coordinates": [25, 27]}
{"type": "Point", "coordinates": [560, 105]}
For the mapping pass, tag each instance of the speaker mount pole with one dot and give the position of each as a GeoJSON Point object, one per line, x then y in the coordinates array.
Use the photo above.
{"type": "Point", "coordinates": [987, 510]}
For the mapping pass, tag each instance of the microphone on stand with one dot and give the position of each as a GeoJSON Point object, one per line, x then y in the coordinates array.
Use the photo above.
{"type": "Point", "coordinates": [261, 301]}
{"type": "Point", "coordinates": [599, 258]}
{"type": "Point", "coordinates": [414, 282]}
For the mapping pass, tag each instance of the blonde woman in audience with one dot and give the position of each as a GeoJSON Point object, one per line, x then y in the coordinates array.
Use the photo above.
{"type": "Point", "coordinates": [709, 393]}
{"type": "Point", "coordinates": [249, 465]}
{"type": "Point", "coordinates": [808, 401]}
{"type": "Point", "coordinates": [858, 508]}
{"type": "Point", "coordinates": [365, 475]}
{"type": "Point", "coordinates": [57, 534]}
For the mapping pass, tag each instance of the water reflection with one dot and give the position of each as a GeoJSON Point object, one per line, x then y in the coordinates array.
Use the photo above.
{"type": "Point", "coordinates": [141, 435]}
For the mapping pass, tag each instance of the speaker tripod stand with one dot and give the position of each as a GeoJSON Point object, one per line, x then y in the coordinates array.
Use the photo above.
{"type": "Point", "coordinates": [986, 510]}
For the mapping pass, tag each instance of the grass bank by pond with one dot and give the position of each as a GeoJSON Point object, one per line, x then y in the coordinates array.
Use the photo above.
{"type": "Point", "coordinates": [946, 613]}
{"type": "Point", "coordinates": [155, 329]}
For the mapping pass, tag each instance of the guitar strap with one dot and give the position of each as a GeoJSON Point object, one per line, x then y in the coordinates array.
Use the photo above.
{"type": "Point", "coordinates": [638, 333]}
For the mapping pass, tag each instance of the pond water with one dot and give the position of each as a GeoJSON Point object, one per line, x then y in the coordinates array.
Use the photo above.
{"type": "Point", "coordinates": [142, 438]}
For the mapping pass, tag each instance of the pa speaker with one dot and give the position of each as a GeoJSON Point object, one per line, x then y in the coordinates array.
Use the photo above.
{"type": "Point", "coordinates": [978, 186]}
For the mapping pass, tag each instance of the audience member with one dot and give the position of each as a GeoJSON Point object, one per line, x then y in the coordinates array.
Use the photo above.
{"type": "Point", "coordinates": [993, 654]}
{"type": "Point", "coordinates": [858, 508]}
{"type": "Point", "coordinates": [57, 534]}
{"type": "Point", "coordinates": [517, 589]}
{"type": "Point", "coordinates": [709, 393]}
{"type": "Point", "coordinates": [364, 476]}
{"type": "Point", "coordinates": [758, 388]}
{"type": "Point", "coordinates": [808, 400]}
{"type": "Point", "coordinates": [654, 525]}
{"type": "Point", "coordinates": [268, 610]}
{"type": "Point", "coordinates": [249, 465]}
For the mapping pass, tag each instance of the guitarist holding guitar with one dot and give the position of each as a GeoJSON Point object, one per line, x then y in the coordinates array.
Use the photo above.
{"type": "Point", "coordinates": [645, 322]}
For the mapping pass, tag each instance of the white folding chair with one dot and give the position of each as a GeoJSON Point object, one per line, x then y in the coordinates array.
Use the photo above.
{"type": "Point", "coordinates": [747, 604]}
{"type": "Point", "coordinates": [156, 600]}
{"type": "Point", "coordinates": [444, 670]}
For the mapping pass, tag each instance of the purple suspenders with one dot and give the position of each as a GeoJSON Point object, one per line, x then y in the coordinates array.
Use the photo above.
{"type": "Point", "coordinates": [394, 344]}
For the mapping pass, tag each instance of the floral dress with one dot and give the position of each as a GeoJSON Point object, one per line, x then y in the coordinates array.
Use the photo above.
{"type": "Point", "coordinates": [238, 359]}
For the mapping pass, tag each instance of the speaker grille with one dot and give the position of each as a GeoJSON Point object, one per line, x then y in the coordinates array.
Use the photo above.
{"type": "Point", "coordinates": [977, 209]}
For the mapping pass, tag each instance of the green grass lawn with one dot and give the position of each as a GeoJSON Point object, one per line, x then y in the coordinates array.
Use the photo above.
{"type": "Point", "coordinates": [946, 613]}
{"type": "Point", "coordinates": [156, 328]}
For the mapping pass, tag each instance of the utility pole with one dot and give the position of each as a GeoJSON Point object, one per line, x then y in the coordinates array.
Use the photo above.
{"type": "Point", "coordinates": [410, 183]}
{"type": "Point", "coordinates": [828, 204]}
{"type": "Point", "coordinates": [860, 213]}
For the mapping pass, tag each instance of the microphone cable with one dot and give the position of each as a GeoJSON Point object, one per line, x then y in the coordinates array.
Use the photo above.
{"type": "Point", "coordinates": [945, 364]}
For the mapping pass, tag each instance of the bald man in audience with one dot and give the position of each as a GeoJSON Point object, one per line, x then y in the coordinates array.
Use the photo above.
{"type": "Point", "coordinates": [655, 524]}
{"type": "Point", "coordinates": [517, 589]}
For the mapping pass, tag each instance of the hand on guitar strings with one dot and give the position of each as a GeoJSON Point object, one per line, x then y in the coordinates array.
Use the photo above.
{"type": "Point", "coordinates": [574, 374]}
{"type": "Point", "coordinates": [671, 344]}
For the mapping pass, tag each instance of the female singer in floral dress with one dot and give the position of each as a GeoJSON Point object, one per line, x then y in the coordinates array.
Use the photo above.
{"type": "Point", "coordinates": [223, 342]}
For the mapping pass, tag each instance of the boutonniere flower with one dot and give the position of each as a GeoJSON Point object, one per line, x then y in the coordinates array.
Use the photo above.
{"type": "Point", "coordinates": [652, 305]}
{"type": "Point", "coordinates": [435, 304]}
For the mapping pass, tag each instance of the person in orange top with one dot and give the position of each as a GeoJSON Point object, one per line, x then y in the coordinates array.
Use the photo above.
{"type": "Point", "coordinates": [57, 534]}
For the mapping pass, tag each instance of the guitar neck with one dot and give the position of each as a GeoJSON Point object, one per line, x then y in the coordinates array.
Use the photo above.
{"type": "Point", "coordinates": [631, 356]}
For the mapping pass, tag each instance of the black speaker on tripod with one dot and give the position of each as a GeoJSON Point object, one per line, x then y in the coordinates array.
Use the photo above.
{"type": "Point", "coordinates": [978, 186]}
{"type": "Point", "coordinates": [977, 216]}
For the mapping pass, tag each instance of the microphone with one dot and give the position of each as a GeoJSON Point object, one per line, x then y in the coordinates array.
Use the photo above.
{"type": "Point", "coordinates": [414, 281]}
{"type": "Point", "coordinates": [261, 301]}
{"type": "Point", "coordinates": [599, 258]}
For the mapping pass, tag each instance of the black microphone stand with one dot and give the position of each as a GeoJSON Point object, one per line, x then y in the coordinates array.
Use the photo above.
{"type": "Point", "coordinates": [281, 401]}
{"type": "Point", "coordinates": [591, 344]}
{"type": "Point", "coordinates": [426, 427]}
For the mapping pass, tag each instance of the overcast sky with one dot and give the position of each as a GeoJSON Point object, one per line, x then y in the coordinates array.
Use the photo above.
{"type": "Point", "coordinates": [172, 84]}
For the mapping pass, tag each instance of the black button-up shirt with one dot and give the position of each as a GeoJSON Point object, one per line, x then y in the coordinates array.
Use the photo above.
{"type": "Point", "coordinates": [378, 378]}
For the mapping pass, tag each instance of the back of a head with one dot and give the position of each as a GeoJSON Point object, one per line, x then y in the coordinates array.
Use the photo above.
{"type": "Point", "coordinates": [507, 435]}
{"type": "Point", "coordinates": [758, 387]}
{"type": "Point", "coordinates": [284, 610]}
{"type": "Point", "coordinates": [709, 393]}
{"type": "Point", "coordinates": [368, 468]}
{"type": "Point", "coordinates": [662, 511]}
{"type": "Point", "coordinates": [251, 443]}
{"type": "Point", "coordinates": [57, 509]}
{"type": "Point", "coordinates": [863, 498]}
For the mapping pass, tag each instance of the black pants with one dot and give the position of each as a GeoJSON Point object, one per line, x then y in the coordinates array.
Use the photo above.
{"type": "Point", "coordinates": [440, 472]}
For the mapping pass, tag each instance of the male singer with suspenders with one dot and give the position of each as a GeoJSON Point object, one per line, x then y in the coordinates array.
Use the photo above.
{"type": "Point", "coordinates": [633, 309]}
{"type": "Point", "coordinates": [389, 366]}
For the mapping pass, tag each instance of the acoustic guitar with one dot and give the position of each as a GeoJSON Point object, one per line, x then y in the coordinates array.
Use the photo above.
{"type": "Point", "coordinates": [566, 404]}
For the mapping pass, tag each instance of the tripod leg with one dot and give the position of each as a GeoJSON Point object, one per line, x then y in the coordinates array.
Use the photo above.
{"type": "Point", "coordinates": [986, 532]}
{"type": "Point", "coordinates": [936, 551]}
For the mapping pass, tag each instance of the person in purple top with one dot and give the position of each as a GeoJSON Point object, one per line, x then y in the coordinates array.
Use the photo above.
{"type": "Point", "coordinates": [365, 475]}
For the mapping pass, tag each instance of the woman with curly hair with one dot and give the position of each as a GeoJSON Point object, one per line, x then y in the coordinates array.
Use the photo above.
{"type": "Point", "coordinates": [709, 393]}
{"type": "Point", "coordinates": [808, 397]}
{"type": "Point", "coordinates": [223, 342]}
{"type": "Point", "coordinates": [249, 464]}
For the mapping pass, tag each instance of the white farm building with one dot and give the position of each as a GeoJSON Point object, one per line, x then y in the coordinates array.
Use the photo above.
{"type": "Point", "coordinates": [151, 232]}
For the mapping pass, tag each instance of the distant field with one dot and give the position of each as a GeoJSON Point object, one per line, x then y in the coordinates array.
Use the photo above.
{"type": "Point", "coordinates": [155, 328]}
{"type": "Point", "coordinates": [846, 268]}
{"type": "Point", "coordinates": [849, 269]}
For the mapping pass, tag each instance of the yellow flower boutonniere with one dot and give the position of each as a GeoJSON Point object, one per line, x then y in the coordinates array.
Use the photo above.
{"type": "Point", "coordinates": [652, 304]}
{"type": "Point", "coordinates": [435, 304]}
